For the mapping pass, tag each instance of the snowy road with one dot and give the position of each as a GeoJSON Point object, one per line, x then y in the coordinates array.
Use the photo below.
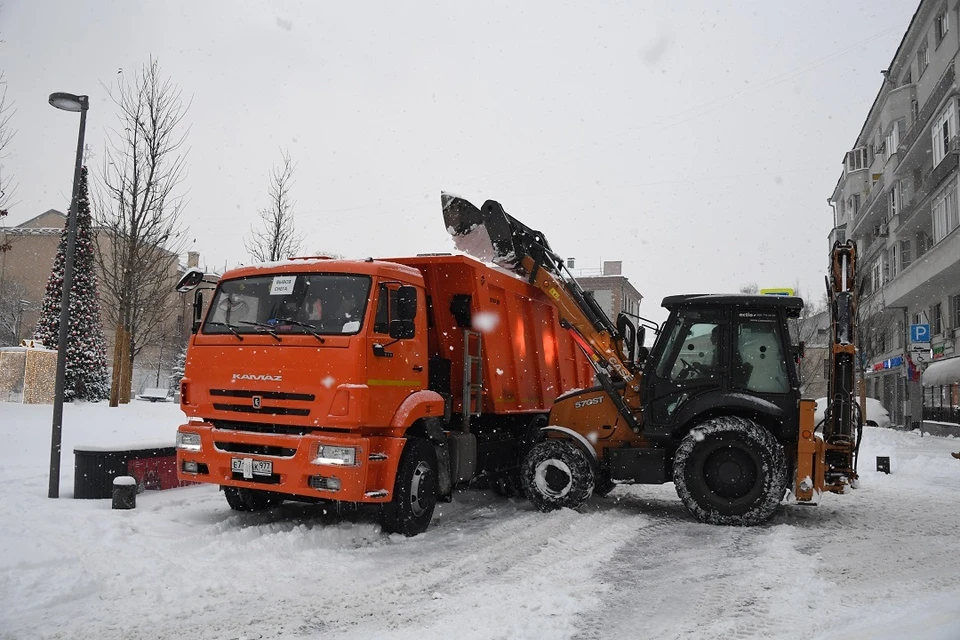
{"type": "Point", "coordinates": [882, 562]}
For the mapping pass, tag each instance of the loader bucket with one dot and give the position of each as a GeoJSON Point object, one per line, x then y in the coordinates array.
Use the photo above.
{"type": "Point", "coordinates": [491, 234]}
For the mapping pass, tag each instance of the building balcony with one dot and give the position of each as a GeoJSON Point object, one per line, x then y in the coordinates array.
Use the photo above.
{"type": "Point", "coordinates": [930, 276]}
{"type": "Point", "coordinates": [944, 86]}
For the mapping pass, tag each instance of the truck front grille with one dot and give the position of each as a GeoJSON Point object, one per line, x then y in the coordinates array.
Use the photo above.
{"type": "Point", "coordinates": [256, 449]}
{"type": "Point", "coordinates": [274, 411]}
{"type": "Point", "coordinates": [266, 395]}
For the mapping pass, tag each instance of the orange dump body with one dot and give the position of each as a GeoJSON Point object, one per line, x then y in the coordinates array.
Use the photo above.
{"type": "Point", "coordinates": [275, 406]}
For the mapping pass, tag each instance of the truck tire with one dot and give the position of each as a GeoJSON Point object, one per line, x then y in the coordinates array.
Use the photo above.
{"type": "Point", "coordinates": [414, 491]}
{"type": "Point", "coordinates": [556, 474]}
{"type": "Point", "coordinates": [730, 470]}
{"type": "Point", "coordinates": [241, 499]}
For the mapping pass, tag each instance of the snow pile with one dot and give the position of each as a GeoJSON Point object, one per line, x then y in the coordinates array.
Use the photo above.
{"type": "Point", "coordinates": [880, 563]}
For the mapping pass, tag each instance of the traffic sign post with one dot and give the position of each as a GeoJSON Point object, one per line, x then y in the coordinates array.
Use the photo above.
{"type": "Point", "coordinates": [920, 333]}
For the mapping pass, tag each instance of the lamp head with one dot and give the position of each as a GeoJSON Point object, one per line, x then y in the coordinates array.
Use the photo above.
{"type": "Point", "coordinates": [69, 102]}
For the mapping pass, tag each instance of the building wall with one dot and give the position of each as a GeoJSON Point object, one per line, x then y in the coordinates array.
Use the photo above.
{"type": "Point", "coordinates": [28, 262]}
{"type": "Point", "coordinates": [898, 200]}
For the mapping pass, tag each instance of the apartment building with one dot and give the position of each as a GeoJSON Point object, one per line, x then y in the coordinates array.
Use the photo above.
{"type": "Point", "coordinates": [897, 198]}
{"type": "Point", "coordinates": [609, 287]}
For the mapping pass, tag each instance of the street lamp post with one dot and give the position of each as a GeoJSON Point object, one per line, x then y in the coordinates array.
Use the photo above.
{"type": "Point", "coordinates": [66, 102]}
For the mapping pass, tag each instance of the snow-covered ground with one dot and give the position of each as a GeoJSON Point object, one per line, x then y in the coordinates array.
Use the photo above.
{"type": "Point", "coordinates": [881, 563]}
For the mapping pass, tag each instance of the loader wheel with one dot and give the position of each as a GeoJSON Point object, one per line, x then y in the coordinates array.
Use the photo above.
{"type": "Point", "coordinates": [556, 474]}
{"type": "Point", "coordinates": [241, 499]}
{"type": "Point", "coordinates": [414, 491]}
{"type": "Point", "coordinates": [730, 470]}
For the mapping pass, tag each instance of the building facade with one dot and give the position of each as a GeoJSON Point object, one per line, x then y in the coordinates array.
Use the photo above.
{"type": "Point", "coordinates": [25, 265]}
{"type": "Point", "coordinates": [610, 288]}
{"type": "Point", "coordinates": [897, 198]}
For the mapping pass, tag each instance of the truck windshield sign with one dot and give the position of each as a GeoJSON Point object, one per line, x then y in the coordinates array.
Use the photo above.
{"type": "Point", "coordinates": [282, 285]}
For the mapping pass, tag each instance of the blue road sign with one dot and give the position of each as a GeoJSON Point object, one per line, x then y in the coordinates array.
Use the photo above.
{"type": "Point", "coordinates": [920, 333]}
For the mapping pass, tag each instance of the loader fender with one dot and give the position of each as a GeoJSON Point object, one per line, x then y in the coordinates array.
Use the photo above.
{"type": "Point", "coordinates": [581, 442]}
{"type": "Point", "coordinates": [418, 405]}
{"type": "Point", "coordinates": [700, 408]}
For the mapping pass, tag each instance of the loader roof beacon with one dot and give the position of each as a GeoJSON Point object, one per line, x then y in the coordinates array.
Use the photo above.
{"type": "Point", "coordinates": [715, 405]}
{"type": "Point", "coordinates": [388, 381]}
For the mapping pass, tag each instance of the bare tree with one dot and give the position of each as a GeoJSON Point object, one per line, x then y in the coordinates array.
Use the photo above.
{"type": "Point", "coordinates": [13, 303]}
{"type": "Point", "coordinates": [138, 211]}
{"type": "Point", "coordinates": [277, 238]}
{"type": "Point", "coordinates": [7, 188]}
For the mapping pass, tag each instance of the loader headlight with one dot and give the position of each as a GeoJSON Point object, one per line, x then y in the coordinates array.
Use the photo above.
{"type": "Point", "coordinates": [344, 456]}
{"type": "Point", "coordinates": [188, 441]}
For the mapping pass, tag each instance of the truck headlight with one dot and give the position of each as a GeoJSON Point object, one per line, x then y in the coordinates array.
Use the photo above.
{"type": "Point", "coordinates": [188, 441]}
{"type": "Point", "coordinates": [327, 454]}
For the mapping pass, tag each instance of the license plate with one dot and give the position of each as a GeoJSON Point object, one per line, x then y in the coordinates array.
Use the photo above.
{"type": "Point", "coordinates": [250, 467]}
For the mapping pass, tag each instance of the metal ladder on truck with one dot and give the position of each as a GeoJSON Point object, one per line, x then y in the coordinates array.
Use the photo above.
{"type": "Point", "coordinates": [472, 376]}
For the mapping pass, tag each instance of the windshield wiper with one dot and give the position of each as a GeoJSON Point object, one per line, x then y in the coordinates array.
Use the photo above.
{"type": "Point", "coordinates": [309, 327]}
{"type": "Point", "coordinates": [266, 328]}
{"type": "Point", "coordinates": [232, 328]}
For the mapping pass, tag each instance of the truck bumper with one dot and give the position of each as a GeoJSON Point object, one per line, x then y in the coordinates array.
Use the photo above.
{"type": "Point", "coordinates": [289, 464]}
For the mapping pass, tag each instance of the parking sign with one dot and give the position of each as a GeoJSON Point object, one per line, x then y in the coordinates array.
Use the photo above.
{"type": "Point", "coordinates": [920, 333]}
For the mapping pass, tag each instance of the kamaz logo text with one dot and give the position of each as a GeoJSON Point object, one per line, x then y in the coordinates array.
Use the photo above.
{"type": "Point", "coordinates": [587, 403]}
{"type": "Point", "coordinates": [255, 376]}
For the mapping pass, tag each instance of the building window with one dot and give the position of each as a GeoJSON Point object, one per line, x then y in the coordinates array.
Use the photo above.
{"type": "Point", "coordinates": [945, 216]}
{"type": "Point", "coordinates": [944, 126]}
{"type": "Point", "coordinates": [857, 159]}
{"type": "Point", "coordinates": [894, 198]}
{"type": "Point", "coordinates": [922, 59]}
{"type": "Point", "coordinates": [877, 270]}
{"type": "Point", "coordinates": [894, 137]}
{"type": "Point", "coordinates": [936, 322]}
{"type": "Point", "coordinates": [955, 306]}
{"type": "Point", "coordinates": [892, 261]}
{"type": "Point", "coordinates": [941, 26]}
{"type": "Point", "coordinates": [906, 257]}
{"type": "Point", "coordinates": [853, 202]}
{"type": "Point", "coordinates": [923, 243]}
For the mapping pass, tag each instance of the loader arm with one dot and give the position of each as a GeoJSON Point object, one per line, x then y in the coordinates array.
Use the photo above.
{"type": "Point", "coordinates": [829, 463]}
{"type": "Point", "coordinates": [491, 234]}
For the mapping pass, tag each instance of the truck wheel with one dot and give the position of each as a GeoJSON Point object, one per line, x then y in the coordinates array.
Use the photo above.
{"type": "Point", "coordinates": [414, 491]}
{"type": "Point", "coordinates": [556, 474]}
{"type": "Point", "coordinates": [730, 470]}
{"type": "Point", "coordinates": [241, 499]}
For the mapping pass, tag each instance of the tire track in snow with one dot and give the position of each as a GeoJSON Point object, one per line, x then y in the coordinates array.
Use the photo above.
{"type": "Point", "coordinates": [372, 590]}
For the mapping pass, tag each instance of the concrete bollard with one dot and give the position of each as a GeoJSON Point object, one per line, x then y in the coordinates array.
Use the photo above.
{"type": "Point", "coordinates": [124, 492]}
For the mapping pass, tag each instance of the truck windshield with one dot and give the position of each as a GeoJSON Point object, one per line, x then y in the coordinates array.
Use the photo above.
{"type": "Point", "coordinates": [289, 304]}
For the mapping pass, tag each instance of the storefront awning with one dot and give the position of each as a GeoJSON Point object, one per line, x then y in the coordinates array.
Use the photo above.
{"type": "Point", "coordinates": [942, 372]}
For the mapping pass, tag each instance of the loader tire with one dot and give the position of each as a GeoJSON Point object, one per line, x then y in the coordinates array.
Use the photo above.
{"type": "Point", "coordinates": [414, 491]}
{"type": "Point", "coordinates": [730, 470]}
{"type": "Point", "coordinates": [241, 499]}
{"type": "Point", "coordinates": [557, 474]}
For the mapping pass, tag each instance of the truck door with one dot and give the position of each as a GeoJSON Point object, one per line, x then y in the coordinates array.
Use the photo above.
{"type": "Point", "coordinates": [397, 367]}
{"type": "Point", "coordinates": [690, 361]}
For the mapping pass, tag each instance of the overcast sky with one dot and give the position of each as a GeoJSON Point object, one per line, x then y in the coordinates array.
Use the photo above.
{"type": "Point", "coordinates": [696, 142]}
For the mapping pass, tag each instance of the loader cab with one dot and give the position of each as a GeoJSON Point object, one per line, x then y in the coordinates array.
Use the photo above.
{"type": "Point", "coordinates": [722, 354]}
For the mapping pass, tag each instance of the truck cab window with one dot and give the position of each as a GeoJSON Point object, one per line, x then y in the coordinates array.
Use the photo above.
{"type": "Point", "coordinates": [758, 360]}
{"type": "Point", "coordinates": [693, 348]}
{"type": "Point", "coordinates": [386, 309]}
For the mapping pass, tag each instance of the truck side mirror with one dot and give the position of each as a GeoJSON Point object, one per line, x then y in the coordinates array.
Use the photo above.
{"type": "Point", "coordinates": [402, 329]}
{"type": "Point", "coordinates": [629, 334]}
{"type": "Point", "coordinates": [197, 309]}
{"type": "Point", "coordinates": [641, 339]}
{"type": "Point", "coordinates": [406, 304]}
{"type": "Point", "coordinates": [190, 280]}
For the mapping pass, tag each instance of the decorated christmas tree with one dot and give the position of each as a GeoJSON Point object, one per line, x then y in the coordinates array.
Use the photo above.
{"type": "Point", "coordinates": [86, 371]}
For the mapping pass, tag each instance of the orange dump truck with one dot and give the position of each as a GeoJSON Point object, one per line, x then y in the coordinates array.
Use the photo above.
{"type": "Point", "coordinates": [377, 381]}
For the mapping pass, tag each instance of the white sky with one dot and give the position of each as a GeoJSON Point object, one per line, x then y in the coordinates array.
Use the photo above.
{"type": "Point", "coordinates": [696, 142]}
